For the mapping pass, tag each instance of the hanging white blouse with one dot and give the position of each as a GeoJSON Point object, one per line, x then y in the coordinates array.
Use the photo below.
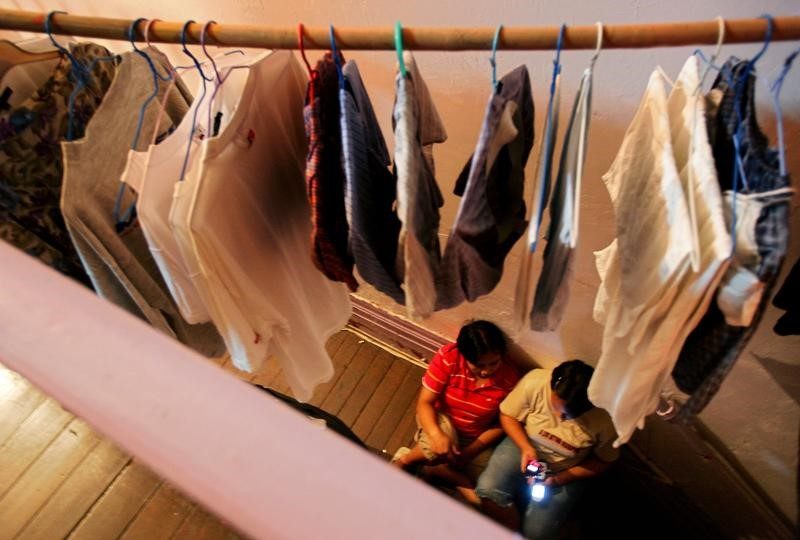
{"type": "Point", "coordinates": [659, 274]}
{"type": "Point", "coordinates": [249, 220]}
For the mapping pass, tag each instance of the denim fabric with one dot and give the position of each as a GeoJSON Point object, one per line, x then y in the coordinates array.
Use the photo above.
{"type": "Point", "coordinates": [503, 483]}
{"type": "Point", "coordinates": [491, 216]}
{"type": "Point", "coordinates": [370, 189]}
{"type": "Point", "coordinates": [713, 347]}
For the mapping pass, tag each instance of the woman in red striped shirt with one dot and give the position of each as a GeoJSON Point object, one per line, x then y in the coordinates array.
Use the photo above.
{"type": "Point", "coordinates": [457, 410]}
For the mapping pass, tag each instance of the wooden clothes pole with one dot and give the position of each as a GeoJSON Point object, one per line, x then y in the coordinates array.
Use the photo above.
{"type": "Point", "coordinates": [615, 36]}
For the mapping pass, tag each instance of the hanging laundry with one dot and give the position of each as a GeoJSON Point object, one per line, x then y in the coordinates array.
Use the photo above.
{"type": "Point", "coordinates": [325, 175]}
{"type": "Point", "coordinates": [249, 222]}
{"type": "Point", "coordinates": [31, 160]}
{"type": "Point", "coordinates": [655, 287]}
{"type": "Point", "coordinates": [153, 175]}
{"type": "Point", "coordinates": [21, 81]}
{"type": "Point", "coordinates": [371, 189]}
{"type": "Point", "coordinates": [417, 127]}
{"type": "Point", "coordinates": [552, 289]}
{"type": "Point", "coordinates": [787, 300]}
{"type": "Point", "coordinates": [523, 294]}
{"type": "Point", "coordinates": [713, 347]}
{"type": "Point", "coordinates": [120, 265]}
{"type": "Point", "coordinates": [491, 215]}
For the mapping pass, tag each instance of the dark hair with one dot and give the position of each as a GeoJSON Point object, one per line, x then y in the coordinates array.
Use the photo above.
{"type": "Point", "coordinates": [477, 338]}
{"type": "Point", "coordinates": [569, 381]}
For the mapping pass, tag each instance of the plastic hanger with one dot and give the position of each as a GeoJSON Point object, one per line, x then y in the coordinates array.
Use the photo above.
{"type": "Point", "coordinates": [710, 63]}
{"type": "Point", "coordinates": [12, 55]}
{"type": "Point", "coordinates": [122, 221]}
{"type": "Point", "coordinates": [738, 168]}
{"type": "Point", "coordinates": [78, 72]}
{"type": "Point", "coordinates": [492, 59]}
{"type": "Point", "coordinates": [546, 156]}
{"type": "Point", "coordinates": [398, 46]}
{"type": "Point", "coordinates": [204, 79]}
{"type": "Point", "coordinates": [775, 91]}
{"type": "Point", "coordinates": [337, 59]}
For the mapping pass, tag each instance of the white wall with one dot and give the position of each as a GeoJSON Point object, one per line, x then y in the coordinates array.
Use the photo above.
{"type": "Point", "coordinates": [755, 414]}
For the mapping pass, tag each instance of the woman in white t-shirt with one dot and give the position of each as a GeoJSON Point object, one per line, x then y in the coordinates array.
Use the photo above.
{"type": "Point", "coordinates": [549, 419]}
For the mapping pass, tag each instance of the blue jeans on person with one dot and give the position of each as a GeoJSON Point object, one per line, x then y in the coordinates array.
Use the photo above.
{"type": "Point", "coordinates": [504, 484]}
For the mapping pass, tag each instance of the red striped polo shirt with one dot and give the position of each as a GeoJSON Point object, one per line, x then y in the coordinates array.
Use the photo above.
{"type": "Point", "coordinates": [473, 408]}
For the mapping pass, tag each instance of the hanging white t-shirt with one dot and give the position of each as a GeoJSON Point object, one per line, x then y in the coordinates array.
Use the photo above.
{"type": "Point", "coordinates": [250, 222]}
{"type": "Point", "coordinates": [656, 280]}
{"type": "Point", "coordinates": [153, 174]}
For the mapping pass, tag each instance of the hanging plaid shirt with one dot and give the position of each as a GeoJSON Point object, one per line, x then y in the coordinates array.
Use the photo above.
{"type": "Point", "coordinates": [325, 175]}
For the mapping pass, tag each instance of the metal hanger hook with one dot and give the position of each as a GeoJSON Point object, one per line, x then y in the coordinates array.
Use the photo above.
{"type": "Point", "coordinates": [188, 53]}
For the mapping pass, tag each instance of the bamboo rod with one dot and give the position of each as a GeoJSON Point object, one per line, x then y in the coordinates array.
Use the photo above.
{"type": "Point", "coordinates": [615, 36]}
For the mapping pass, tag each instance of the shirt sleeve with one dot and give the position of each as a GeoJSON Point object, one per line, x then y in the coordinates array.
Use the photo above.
{"type": "Point", "coordinates": [604, 449]}
{"type": "Point", "coordinates": [517, 403]}
{"type": "Point", "coordinates": [439, 370]}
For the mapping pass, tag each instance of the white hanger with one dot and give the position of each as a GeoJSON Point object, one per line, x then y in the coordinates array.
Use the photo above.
{"type": "Point", "coordinates": [720, 41]}
{"type": "Point", "coordinates": [599, 45]}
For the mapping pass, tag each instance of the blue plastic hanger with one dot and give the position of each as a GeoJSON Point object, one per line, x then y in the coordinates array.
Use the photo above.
{"type": "Point", "coordinates": [398, 46]}
{"type": "Point", "coordinates": [547, 147]}
{"type": "Point", "coordinates": [337, 59]}
{"type": "Point", "coordinates": [125, 220]}
{"type": "Point", "coordinates": [493, 58]}
{"type": "Point", "coordinates": [203, 79]}
{"type": "Point", "coordinates": [775, 90]}
{"type": "Point", "coordinates": [738, 168]}
{"type": "Point", "coordinates": [79, 73]}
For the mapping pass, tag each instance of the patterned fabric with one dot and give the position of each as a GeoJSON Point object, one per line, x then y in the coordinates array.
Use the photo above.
{"type": "Point", "coordinates": [714, 346]}
{"type": "Point", "coordinates": [371, 189]}
{"type": "Point", "coordinates": [491, 216]}
{"type": "Point", "coordinates": [473, 407]}
{"type": "Point", "coordinates": [325, 176]}
{"type": "Point", "coordinates": [31, 162]}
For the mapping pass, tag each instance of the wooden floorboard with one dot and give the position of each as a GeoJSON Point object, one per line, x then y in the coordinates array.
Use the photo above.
{"type": "Point", "coordinates": [68, 504]}
{"type": "Point", "coordinates": [58, 479]}
{"type": "Point", "coordinates": [161, 516]}
{"type": "Point", "coordinates": [401, 400]}
{"type": "Point", "coordinates": [110, 515]}
{"type": "Point", "coordinates": [18, 399]}
{"type": "Point", "coordinates": [32, 438]}
{"type": "Point", "coordinates": [386, 388]}
{"type": "Point", "coordinates": [350, 378]}
{"type": "Point", "coordinates": [31, 490]}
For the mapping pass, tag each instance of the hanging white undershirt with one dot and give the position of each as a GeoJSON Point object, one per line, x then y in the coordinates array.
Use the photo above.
{"type": "Point", "coordinates": [250, 224]}
{"type": "Point", "coordinates": [153, 174]}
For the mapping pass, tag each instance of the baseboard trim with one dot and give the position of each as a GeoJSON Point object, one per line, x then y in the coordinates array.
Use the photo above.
{"type": "Point", "coordinates": [399, 333]}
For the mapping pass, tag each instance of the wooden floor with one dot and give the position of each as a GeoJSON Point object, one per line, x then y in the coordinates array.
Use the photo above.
{"type": "Point", "coordinates": [60, 479]}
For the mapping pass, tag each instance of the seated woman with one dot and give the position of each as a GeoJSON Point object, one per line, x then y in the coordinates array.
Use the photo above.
{"type": "Point", "coordinates": [457, 410]}
{"type": "Point", "coordinates": [548, 418]}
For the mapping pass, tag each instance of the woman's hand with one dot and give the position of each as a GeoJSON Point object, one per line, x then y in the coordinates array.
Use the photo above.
{"type": "Point", "coordinates": [443, 446]}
